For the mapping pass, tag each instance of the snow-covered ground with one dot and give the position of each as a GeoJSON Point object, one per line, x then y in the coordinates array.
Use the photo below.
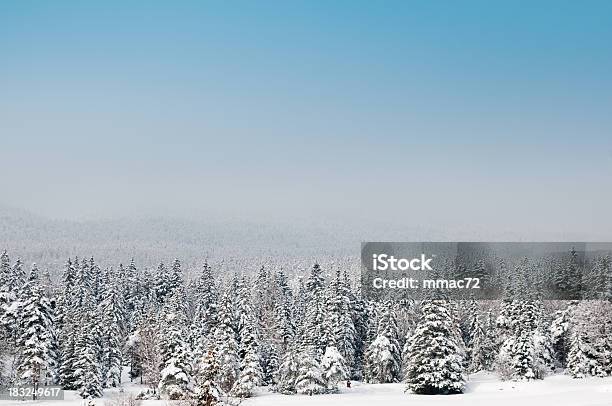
{"type": "Point", "coordinates": [482, 390]}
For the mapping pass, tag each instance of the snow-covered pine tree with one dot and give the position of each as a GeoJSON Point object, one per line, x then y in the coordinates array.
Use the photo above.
{"type": "Point", "coordinates": [484, 347]}
{"type": "Point", "coordinates": [310, 380]}
{"type": "Point", "coordinates": [36, 358]}
{"type": "Point", "coordinates": [315, 282]}
{"type": "Point", "coordinates": [338, 325]}
{"type": "Point", "coordinates": [589, 344]}
{"type": "Point", "coordinates": [175, 279]}
{"type": "Point", "coordinates": [148, 346]}
{"type": "Point", "coordinates": [18, 276]}
{"type": "Point", "coordinates": [84, 296]}
{"type": "Point", "coordinates": [560, 332]}
{"type": "Point", "coordinates": [269, 363]}
{"type": "Point", "coordinates": [205, 312]}
{"type": "Point", "coordinates": [5, 270]}
{"type": "Point", "coordinates": [288, 371]}
{"type": "Point", "coordinates": [87, 368]}
{"type": "Point", "coordinates": [334, 368]}
{"type": "Point", "coordinates": [208, 392]}
{"type": "Point", "coordinates": [480, 343]}
{"type": "Point", "coordinates": [383, 356]}
{"type": "Point", "coordinates": [68, 350]}
{"type": "Point", "coordinates": [176, 380]}
{"type": "Point", "coordinates": [113, 309]}
{"type": "Point", "coordinates": [250, 374]}
{"type": "Point", "coordinates": [284, 328]}
{"type": "Point", "coordinates": [131, 291]}
{"type": "Point", "coordinates": [246, 326]}
{"type": "Point", "coordinates": [583, 358]}
{"type": "Point", "coordinates": [227, 345]}
{"type": "Point", "coordinates": [162, 284]}
{"type": "Point", "coordinates": [11, 299]}
{"type": "Point", "coordinates": [526, 352]}
{"type": "Point", "coordinates": [262, 296]}
{"type": "Point", "coordinates": [435, 363]}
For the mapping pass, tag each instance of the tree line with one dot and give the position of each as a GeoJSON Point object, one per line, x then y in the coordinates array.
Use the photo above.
{"type": "Point", "coordinates": [214, 338]}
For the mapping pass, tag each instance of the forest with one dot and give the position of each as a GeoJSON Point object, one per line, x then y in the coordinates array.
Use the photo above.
{"type": "Point", "coordinates": [208, 338]}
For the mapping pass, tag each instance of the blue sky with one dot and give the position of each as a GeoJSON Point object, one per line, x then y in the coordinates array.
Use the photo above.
{"type": "Point", "coordinates": [304, 107]}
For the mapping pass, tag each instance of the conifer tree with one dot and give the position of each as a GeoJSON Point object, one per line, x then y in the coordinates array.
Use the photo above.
{"type": "Point", "coordinates": [206, 302]}
{"type": "Point", "coordinates": [37, 357]}
{"type": "Point", "coordinates": [309, 379]}
{"type": "Point", "coordinates": [334, 368]}
{"type": "Point", "coordinates": [250, 374]}
{"type": "Point", "coordinates": [383, 356]}
{"type": "Point", "coordinates": [175, 381]}
{"type": "Point", "coordinates": [113, 329]}
{"type": "Point", "coordinates": [86, 373]}
{"type": "Point", "coordinates": [269, 363]}
{"type": "Point", "coordinates": [435, 363]}
{"type": "Point", "coordinates": [227, 345]}
{"type": "Point", "coordinates": [208, 392]}
{"type": "Point", "coordinates": [288, 371]}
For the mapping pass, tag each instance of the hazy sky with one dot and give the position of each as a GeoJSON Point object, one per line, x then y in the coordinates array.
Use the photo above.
{"type": "Point", "coordinates": [498, 115]}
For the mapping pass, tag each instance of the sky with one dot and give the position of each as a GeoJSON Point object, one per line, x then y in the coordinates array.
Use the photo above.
{"type": "Point", "coordinates": [496, 115]}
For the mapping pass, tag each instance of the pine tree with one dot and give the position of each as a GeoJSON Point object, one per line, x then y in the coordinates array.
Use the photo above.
{"type": "Point", "coordinates": [206, 309]}
{"type": "Point", "coordinates": [175, 279]}
{"type": "Point", "coordinates": [283, 328]}
{"type": "Point", "coordinates": [480, 340]}
{"type": "Point", "coordinates": [18, 276]}
{"type": "Point", "coordinates": [589, 342]}
{"type": "Point", "coordinates": [250, 374]}
{"type": "Point", "coordinates": [435, 363]}
{"type": "Point", "coordinates": [227, 345]}
{"type": "Point", "coordinates": [583, 359]}
{"type": "Point", "coordinates": [208, 392]}
{"type": "Point", "coordinates": [87, 368]}
{"type": "Point", "coordinates": [36, 358]}
{"type": "Point", "coordinates": [526, 352]}
{"type": "Point", "coordinates": [380, 362]}
{"type": "Point", "coordinates": [175, 380]}
{"type": "Point", "coordinates": [383, 356]}
{"type": "Point", "coordinates": [270, 363]}
{"type": "Point", "coordinates": [162, 285]}
{"type": "Point", "coordinates": [309, 379]}
{"type": "Point", "coordinates": [288, 371]}
{"type": "Point", "coordinates": [69, 354]}
{"type": "Point", "coordinates": [340, 328]}
{"type": "Point", "coordinates": [334, 368]}
{"type": "Point", "coordinates": [113, 330]}
{"type": "Point", "coordinates": [5, 270]}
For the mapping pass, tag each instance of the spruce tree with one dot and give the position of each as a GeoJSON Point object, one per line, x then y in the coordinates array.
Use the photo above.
{"type": "Point", "coordinates": [383, 356]}
{"type": "Point", "coordinates": [250, 374]}
{"type": "Point", "coordinates": [288, 371]}
{"type": "Point", "coordinates": [113, 329]}
{"type": "Point", "coordinates": [227, 345]}
{"type": "Point", "coordinates": [435, 363]}
{"type": "Point", "coordinates": [309, 379]}
{"type": "Point", "coordinates": [86, 373]}
{"type": "Point", "coordinates": [334, 368]}
{"type": "Point", "coordinates": [36, 357]}
{"type": "Point", "coordinates": [175, 381]}
{"type": "Point", "coordinates": [208, 392]}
